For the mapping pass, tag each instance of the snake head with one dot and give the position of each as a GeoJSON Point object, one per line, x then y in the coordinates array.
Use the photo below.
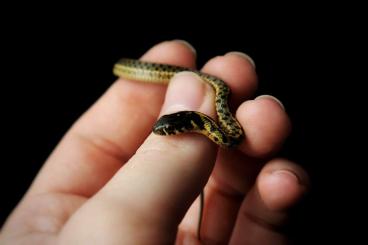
{"type": "Point", "coordinates": [175, 123]}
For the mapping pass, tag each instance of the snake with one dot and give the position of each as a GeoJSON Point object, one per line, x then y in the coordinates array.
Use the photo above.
{"type": "Point", "coordinates": [227, 133]}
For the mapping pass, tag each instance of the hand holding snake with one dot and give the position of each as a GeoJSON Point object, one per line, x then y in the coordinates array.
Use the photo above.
{"type": "Point", "coordinates": [110, 181]}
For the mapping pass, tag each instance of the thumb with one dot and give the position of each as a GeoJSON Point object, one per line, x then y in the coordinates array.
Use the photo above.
{"type": "Point", "coordinates": [152, 192]}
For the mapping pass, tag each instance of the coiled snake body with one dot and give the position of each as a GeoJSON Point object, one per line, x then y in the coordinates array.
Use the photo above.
{"type": "Point", "coordinates": [228, 133]}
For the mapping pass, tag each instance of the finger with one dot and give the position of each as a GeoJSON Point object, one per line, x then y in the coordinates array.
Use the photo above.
{"type": "Point", "coordinates": [237, 70]}
{"type": "Point", "coordinates": [266, 125]}
{"type": "Point", "coordinates": [155, 188]}
{"type": "Point", "coordinates": [265, 122]}
{"type": "Point", "coordinates": [236, 171]}
{"type": "Point", "coordinates": [110, 131]}
{"type": "Point", "coordinates": [280, 185]}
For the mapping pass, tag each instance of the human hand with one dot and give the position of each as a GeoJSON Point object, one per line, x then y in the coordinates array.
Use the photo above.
{"type": "Point", "coordinates": [108, 183]}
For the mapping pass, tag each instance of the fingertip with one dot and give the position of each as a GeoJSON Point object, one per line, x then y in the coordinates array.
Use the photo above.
{"type": "Point", "coordinates": [266, 126]}
{"type": "Point", "coordinates": [279, 189]}
{"type": "Point", "coordinates": [244, 56]}
{"type": "Point", "coordinates": [270, 97]}
{"type": "Point", "coordinates": [187, 44]}
{"type": "Point", "coordinates": [188, 92]}
{"type": "Point", "coordinates": [265, 210]}
{"type": "Point", "coordinates": [281, 184]}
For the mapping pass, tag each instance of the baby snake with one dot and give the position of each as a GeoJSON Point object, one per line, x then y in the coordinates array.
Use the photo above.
{"type": "Point", "coordinates": [227, 133]}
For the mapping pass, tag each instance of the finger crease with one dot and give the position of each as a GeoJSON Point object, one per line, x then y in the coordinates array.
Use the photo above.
{"type": "Point", "coordinates": [226, 190]}
{"type": "Point", "coordinates": [105, 146]}
{"type": "Point", "coordinates": [279, 228]}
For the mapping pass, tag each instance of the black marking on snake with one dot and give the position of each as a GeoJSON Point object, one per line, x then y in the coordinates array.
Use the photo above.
{"type": "Point", "coordinates": [182, 120]}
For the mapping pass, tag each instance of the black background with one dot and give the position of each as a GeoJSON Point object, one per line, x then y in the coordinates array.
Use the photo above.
{"type": "Point", "coordinates": [57, 65]}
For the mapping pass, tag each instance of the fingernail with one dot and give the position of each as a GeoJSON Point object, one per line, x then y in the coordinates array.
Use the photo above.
{"type": "Point", "coordinates": [266, 96]}
{"type": "Point", "coordinates": [186, 91]}
{"type": "Point", "coordinates": [302, 178]}
{"type": "Point", "coordinates": [243, 55]}
{"type": "Point", "coordinates": [285, 175]}
{"type": "Point", "coordinates": [186, 44]}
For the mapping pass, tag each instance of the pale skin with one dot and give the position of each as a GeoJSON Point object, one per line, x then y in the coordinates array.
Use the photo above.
{"type": "Point", "coordinates": [111, 181]}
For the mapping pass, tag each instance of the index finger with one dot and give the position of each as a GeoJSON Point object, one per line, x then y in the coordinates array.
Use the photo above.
{"type": "Point", "coordinates": [110, 131]}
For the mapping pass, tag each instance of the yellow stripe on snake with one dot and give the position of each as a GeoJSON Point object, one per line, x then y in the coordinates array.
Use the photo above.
{"type": "Point", "coordinates": [228, 133]}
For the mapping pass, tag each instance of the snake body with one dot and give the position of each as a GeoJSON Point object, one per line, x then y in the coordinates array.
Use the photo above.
{"type": "Point", "coordinates": [227, 133]}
